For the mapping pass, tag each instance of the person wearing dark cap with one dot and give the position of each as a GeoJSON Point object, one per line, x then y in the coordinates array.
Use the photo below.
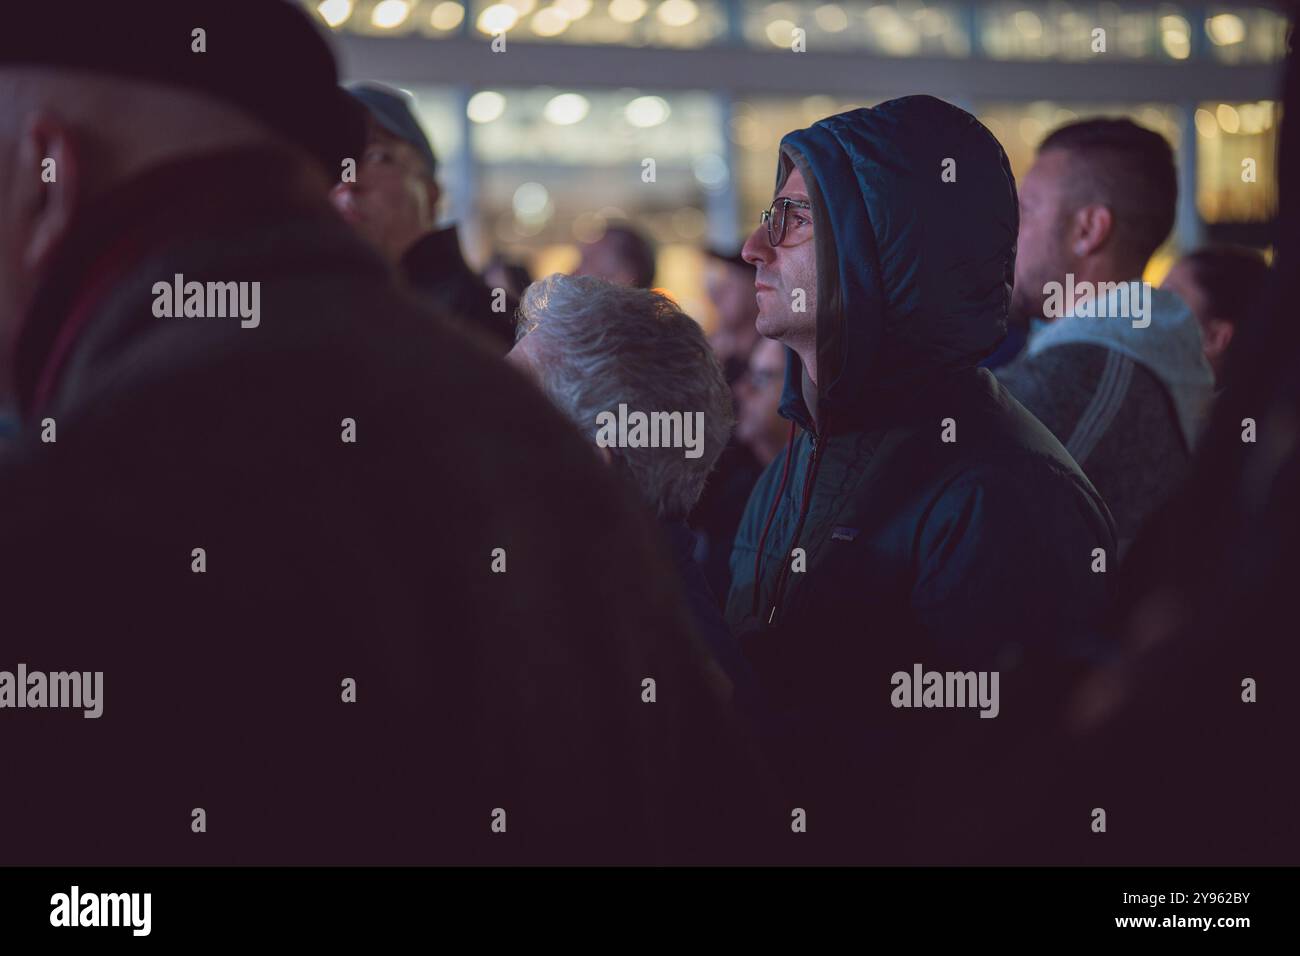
{"type": "Point", "coordinates": [267, 504]}
{"type": "Point", "coordinates": [393, 204]}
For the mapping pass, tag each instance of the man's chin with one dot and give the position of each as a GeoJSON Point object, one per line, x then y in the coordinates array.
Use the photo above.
{"type": "Point", "coordinates": [771, 326]}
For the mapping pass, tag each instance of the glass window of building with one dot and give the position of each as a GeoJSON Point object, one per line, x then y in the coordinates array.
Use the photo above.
{"type": "Point", "coordinates": [895, 29]}
{"type": "Point", "coordinates": [1236, 147]}
{"type": "Point", "coordinates": [677, 23]}
{"type": "Point", "coordinates": [1020, 127]}
{"type": "Point", "coordinates": [1246, 35]}
{"type": "Point", "coordinates": [554, 166]}
{"type": "Point", "coordinates": [1084, 31]}
{"type": "Point", "coordinates": [672, 23]}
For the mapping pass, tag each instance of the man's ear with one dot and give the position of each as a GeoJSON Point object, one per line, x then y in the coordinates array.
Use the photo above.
{"type": "Point", "coordinates": [1092, 228]}
{"type": "Point", "coordinates": [49, 186]}
{"type": "Point", "coordinates": [434, 194]}
{"type": "Point", "coordinates": [1216, 335]}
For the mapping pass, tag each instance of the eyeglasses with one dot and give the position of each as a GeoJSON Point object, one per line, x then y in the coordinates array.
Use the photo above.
{"type": "Point", "coordinates": [774, 217]}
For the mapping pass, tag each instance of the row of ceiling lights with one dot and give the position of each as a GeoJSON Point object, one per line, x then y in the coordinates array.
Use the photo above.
{"type": "Point", "coordinates": [550, 20]}
{"type": "Point", "coordinates": [565, 109]}
{"type": "Point", "coordinates": [647, 111]}
{"type": "Point", "coordinates": [1223, 29]}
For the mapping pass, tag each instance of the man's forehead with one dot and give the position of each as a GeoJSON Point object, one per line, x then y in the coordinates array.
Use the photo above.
{"type": "Point", "coordinates": [794, 186]}
{"type": "Point", "coordinates": [376, 134]}
{"type": "Point", "coordinates": [407, 154]}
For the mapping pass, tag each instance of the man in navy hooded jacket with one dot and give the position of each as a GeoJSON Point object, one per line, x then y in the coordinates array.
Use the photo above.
{"type": "Point", "coordinates": [919, 515]}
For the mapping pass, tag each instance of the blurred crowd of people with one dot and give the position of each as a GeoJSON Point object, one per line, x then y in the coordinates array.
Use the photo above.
{"type": "Point", "coordinates": [639, 654]}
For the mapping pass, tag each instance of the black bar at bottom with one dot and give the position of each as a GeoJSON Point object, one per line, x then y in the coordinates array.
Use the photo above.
{"type": "Point", "coordinates": [240, 904]}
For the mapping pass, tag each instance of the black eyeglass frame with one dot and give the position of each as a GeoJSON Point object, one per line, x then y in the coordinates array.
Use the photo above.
{"type": "Point", "coordinates": [776, 228]}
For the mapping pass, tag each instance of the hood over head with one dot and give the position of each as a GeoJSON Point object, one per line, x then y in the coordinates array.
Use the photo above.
{"type": "Point", "coordinates": [916, 216]}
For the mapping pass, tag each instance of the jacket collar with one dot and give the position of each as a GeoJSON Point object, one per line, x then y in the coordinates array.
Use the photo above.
{"type": "Point", "coordinates": [160, 207]}
{"type": "Point", "coordinates": [434, 256]}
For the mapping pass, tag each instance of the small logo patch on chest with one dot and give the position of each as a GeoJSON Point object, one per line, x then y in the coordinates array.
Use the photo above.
{"type": "Point", "coordinates": [842, 533]}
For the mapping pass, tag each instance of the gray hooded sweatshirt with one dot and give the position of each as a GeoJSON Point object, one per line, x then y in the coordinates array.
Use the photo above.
{"type": "Point", "coordinates": [1125, 395]}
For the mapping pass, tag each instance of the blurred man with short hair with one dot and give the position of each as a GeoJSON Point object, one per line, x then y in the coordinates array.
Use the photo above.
{"type": "Point", "coordinates": [1117, 372]}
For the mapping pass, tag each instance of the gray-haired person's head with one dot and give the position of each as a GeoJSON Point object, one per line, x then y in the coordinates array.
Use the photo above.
{"type": "Point", "coordinates": [628, 364]}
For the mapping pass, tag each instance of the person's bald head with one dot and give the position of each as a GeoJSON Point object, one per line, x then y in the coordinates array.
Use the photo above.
{"type": "Point", "coordinates": [68, 137]}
